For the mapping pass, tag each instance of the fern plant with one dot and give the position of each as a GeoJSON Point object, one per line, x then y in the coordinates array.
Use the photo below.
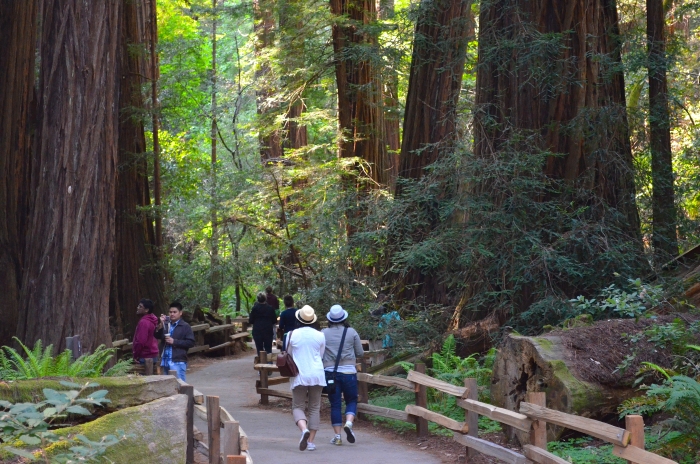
{"type": "Point", "coordinates": [40, 362]}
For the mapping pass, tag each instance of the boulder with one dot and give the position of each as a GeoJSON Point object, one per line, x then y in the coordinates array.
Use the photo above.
{"type": "Point", "coordinates": [123, 391]}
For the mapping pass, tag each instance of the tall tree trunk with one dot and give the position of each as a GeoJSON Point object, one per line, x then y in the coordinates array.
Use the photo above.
{"type": "Point", "coordinates": [430, 120]}
{"type": "Point", "coordinates": [70, 239]}
{"type": "Point", "coordinates": [18, 27]}
{"type": "Point", "coordinates": [360, 95]}
{"type": "Point", "coordinates": [439, 54]}
{"type": "Point", "coordinates": [663, 197]}
{"type": "Point", "coordinates": [392, 117]}
{"type": "Point", "coordinates": [269, 138]}
{"type": "Point", "coordinates": [155, 121]}
{"type": "Point", "coordinates": [136, 271]}
{"type": "Point", "coordinates": [568, 95]}
{"type": "Point", "coordinates": [215, 284]}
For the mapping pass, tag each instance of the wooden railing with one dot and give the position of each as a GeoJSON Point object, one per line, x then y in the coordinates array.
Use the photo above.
{"type": "Point", "coordinates": [532, 418]}
{"type": "Point", "coordinates": [235, 440]}
{"type": "Point", "coordinates": [235, 331]}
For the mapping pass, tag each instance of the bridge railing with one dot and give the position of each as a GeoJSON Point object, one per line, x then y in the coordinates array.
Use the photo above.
{"type": "Point", "coordinates": [532, 417]}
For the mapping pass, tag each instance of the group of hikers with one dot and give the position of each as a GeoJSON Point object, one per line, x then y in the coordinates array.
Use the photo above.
{"type": "Point", "coordinates": [325, 358]}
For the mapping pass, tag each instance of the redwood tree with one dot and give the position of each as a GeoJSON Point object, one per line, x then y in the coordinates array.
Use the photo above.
{"type": "Point", "coordinates": [439, 54]}
{"type": "Point", "coordinates": [136, 273]}
{"type": "Point", "coordinates": [562, 92]}
{"type": "Point", "coordinates": [360, 93]}
{"type": "Point", "coordinates": [17, 40]}
{"type": "Point", "coordinates": [663, 198]}
{"type": "Point", "coordinates": [70, 238]}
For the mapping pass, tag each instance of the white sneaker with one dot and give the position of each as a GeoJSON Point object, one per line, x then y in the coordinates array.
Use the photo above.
{"type": "Point", "coordinates": [304, 441]}
{"type": "Point", "coordinates": [311, 447]}
{"type": "Point", "coordinates": [348, 432]}
{"type": "Point", "coordinates": [336, 440]}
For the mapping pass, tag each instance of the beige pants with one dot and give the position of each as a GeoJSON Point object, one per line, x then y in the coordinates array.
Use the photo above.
{"type": "Point", "coordinates": [300, 396]}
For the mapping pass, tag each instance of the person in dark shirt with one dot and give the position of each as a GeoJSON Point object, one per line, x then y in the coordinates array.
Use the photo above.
{"type": "Point", "coordinates": [288, 320]}
{"type": "Point", "coordinates": [262, 318]}
{"type": "Point", "coordinates": [272, 300]}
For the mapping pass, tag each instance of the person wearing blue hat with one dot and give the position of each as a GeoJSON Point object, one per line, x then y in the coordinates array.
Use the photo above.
{"type": "Point", "coordinates": [343, 347]}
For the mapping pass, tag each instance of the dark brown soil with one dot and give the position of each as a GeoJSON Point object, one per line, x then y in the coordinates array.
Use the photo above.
{"type": "Point", "coordinates": [597, 351]}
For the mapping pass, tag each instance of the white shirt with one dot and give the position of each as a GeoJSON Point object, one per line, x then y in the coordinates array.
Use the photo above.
{"type": "Point", "coordinates": [306, 345]}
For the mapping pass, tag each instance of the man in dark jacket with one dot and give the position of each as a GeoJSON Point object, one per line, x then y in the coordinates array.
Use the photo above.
{"type": "Point", "coordinates": [145, 343]}
{"type": "Point", "coordinates": [178, 338]}
{"type": "Point", "coordinates": [262, 318]}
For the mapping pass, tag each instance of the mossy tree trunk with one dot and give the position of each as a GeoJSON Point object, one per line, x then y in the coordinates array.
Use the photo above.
{"type": "Point", "coordinates": [540, 364]}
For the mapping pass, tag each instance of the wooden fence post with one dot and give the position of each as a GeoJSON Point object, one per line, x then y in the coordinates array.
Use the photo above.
{"type": "Point", "coordinates": [189, 391]}
{"type": "Point", "coordinates": [635, 425]}
{"type": "Point", "coordinates": [232, 438]}
{"type": "Point", "coordinates": [422, 401]}
{"type": "Point", "coordinates": [264, 399]}
{"type": "Point", "coordinates": [214, 429]}
{"type": "Point", "coordinates": [471, 417]}
{"type": "Point", "coordinates": [538, 432]}
{"type": "Point", "coordinates": [362, 388]}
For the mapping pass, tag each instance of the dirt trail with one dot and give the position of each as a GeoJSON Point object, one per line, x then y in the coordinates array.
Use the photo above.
{"type": "Point", "coordinates": [274, 438]}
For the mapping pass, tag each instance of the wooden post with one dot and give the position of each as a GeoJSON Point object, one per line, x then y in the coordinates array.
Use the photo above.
{"type": "Point", "coordinates": [77, 347]}
{"type": "Point", "coordinates": [149, 366]}
{"type": "Point", "coordinates": [635, 425]}
{"type": "Point", "coordinates": [189, 391]}
{"type": "Point", "coordinates": [422, 401]}
{"type": "Point", "coordinates": [362, 389]}
{"type": "Point", "coordinates": [471, 417]}
{"type": "Point", "coordinates": [538, 432]}
{"type": "Point", "coordinates": [264, 399]}
{"type": "Point", "coordinates": [214, 429]}
{"type": "Point", "coordinates": [232, 438]}
{"type": "Point", "coordinates": [227, 334]}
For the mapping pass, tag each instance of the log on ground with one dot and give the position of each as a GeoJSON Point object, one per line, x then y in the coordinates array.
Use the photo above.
{"type": "Point", "coordinates": [542, 364]}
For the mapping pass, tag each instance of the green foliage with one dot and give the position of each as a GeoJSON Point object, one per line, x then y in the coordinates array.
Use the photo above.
{"type": "Point", "coordinates": [632, 301]}
{"type": "Point", "coordinates": [31, 424]}
{"type": "Point", "coordinates": [40, 362]}
{"type": "Point", "coordinates": [679, 397]}
{"type": "Point", "coordinates": [578, 450]}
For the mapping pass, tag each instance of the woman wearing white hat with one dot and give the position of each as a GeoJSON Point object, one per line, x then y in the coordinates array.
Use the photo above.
{"type": "Point", "coordinates": [343, 358]}
{"type": "Point", "coordinates": [306, 345]}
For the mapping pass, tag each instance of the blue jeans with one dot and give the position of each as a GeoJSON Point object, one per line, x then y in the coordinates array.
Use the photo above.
{"type": "Point", "coordinates": [345, 385]}
{"type": "Point", "coordinates": [178, 368]}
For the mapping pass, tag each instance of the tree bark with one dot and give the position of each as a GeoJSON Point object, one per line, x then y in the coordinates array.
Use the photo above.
{"type": "Point", "coordinates": [392, 116]}
{"type": "Point", "coordinates": [541, 364]}
{"type": "Point", "coordinates": [360, 96]}
{"type": "Point", "coordinates": [269, 138]}
{"type": "Point", "coordinates": [439, 54]}
{"type": "Point", "coordinates": [18, 27]}
{"type": "Point", "coordinates": [136, 271]}
{"type": "Point", "coordinates": [663, 197]}
{"type": "Point", "coordinates": [70, 245]}
{"type": "Point", "coordinates": [215, 264]}
{"type": "Point", "coordinates": [567, 96]}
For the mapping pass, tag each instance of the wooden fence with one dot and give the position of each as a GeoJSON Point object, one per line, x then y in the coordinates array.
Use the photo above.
{"type": "Point", "coordinates": [235, 332]}
{"type": "Point", "coordinates": [532, 418]}
{"type": "Point", "coordinates": [218, 419]}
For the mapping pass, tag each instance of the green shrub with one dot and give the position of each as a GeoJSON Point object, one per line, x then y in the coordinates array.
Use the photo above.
{"type": "Point", "coordinates": [40, 362]}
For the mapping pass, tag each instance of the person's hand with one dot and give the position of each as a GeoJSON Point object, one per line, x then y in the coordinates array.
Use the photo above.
{"type": "Point", "coordinates": [162, 318]}
{"type": "Point", "coordinates": [168, 339]}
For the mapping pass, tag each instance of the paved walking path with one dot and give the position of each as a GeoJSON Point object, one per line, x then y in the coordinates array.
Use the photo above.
{"type": "Point", "coordinates": [272, 435]}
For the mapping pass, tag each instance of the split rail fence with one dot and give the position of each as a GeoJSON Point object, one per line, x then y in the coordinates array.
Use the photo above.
{"type": "Point", "coordinates": [532, 418]}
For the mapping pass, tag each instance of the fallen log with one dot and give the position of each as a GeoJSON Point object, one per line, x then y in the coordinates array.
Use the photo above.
{"type": "Point", "coordinates": [545, 364]}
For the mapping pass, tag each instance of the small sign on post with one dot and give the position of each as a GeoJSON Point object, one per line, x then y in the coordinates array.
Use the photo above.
{"type": "Point", "coordinates": [73, 344]}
